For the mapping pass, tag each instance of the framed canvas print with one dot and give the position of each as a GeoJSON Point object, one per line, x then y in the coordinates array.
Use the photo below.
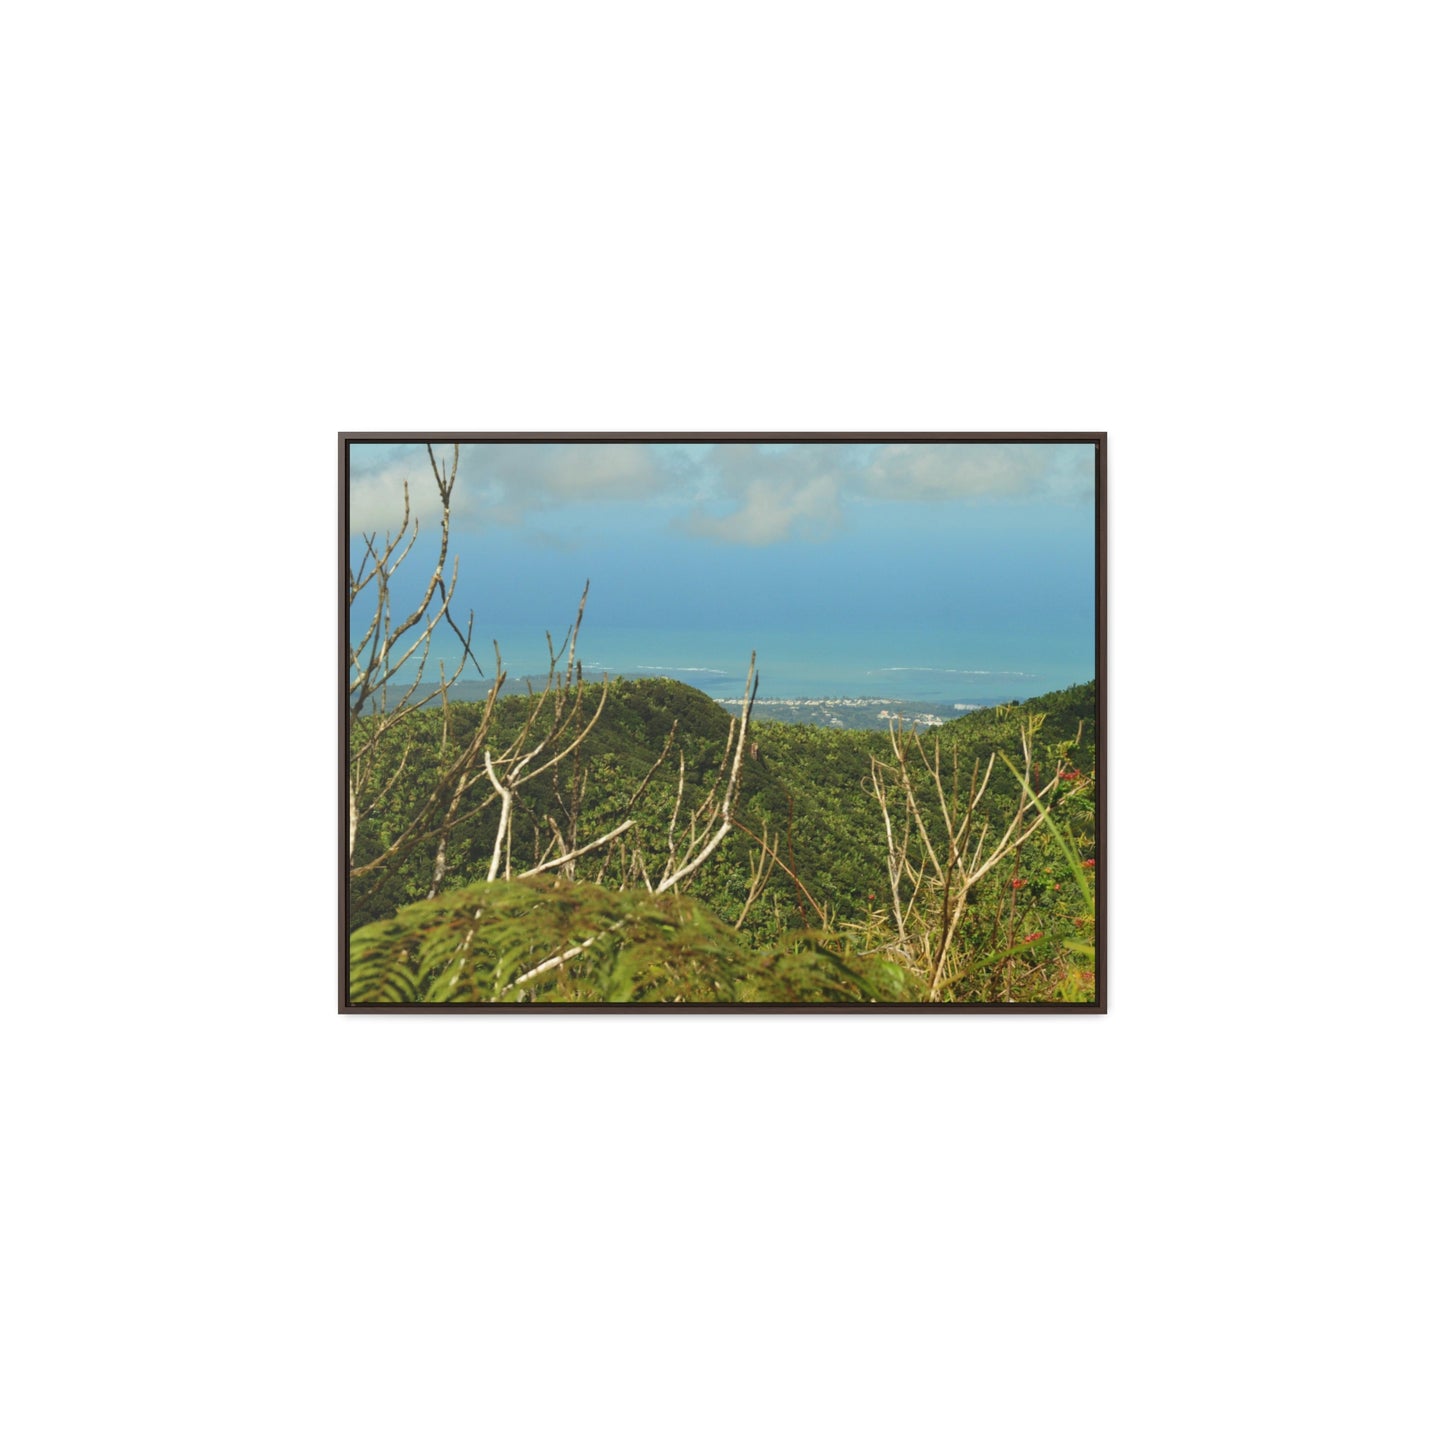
{"type": "Point", "coordinates": [701, 721]}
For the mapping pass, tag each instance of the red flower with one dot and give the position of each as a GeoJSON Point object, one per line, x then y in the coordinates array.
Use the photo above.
{"type": "Point", "coordinates": [1057, 886]}
{"type": "Point", "coordinates": [1088, 862]}
{"type": "Point", "coordinates": [1016, 882]}
{"type": "Point", "coordinates": [1032, 937]}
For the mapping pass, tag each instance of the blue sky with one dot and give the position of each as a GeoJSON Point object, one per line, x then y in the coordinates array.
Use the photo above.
{"type": "Point", "coordinates": [992, 543]}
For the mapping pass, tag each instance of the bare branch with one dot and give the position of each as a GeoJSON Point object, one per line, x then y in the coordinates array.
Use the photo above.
{"type": "Point", "coordinates": [692, 863]}
{"type": "Point", "coordinates": [578, 852]}
{"type": "Point", "coordinates": [560, 958]}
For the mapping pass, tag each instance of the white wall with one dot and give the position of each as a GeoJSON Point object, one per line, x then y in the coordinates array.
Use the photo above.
{"type": "Point", "coordinates": [1210, 1215]}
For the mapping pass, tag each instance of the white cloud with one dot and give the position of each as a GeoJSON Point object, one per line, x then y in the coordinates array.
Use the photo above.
{"type": "Point", "coordinates": [498, 483]}
{"type": "Point", "coordinates": [736, 492]}
{"type": "Point", "coordinates": [760, 495]}
{"type": "Point", "coordinates": [933, 472]}
{"type": "Point", "coordinates": [382, 479]}
{"type": "Point", "coordinates": [768, 513]}
{"type": "Point", "coordinates": [763, 494]}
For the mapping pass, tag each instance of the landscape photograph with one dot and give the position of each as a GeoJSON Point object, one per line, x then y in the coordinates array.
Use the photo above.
{"type": "Point", "coordinates": [732, 722]}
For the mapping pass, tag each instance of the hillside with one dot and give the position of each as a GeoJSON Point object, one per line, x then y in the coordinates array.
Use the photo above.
{"type": "Point", "coordinates": [809, 847]}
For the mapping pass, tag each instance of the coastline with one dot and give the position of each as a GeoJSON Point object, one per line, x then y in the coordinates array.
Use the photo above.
{"type": "Point", "coordinates": [846, 710]}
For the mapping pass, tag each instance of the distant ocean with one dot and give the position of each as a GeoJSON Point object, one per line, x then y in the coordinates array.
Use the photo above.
{"type": "Point", "coordinates": [917, 664]}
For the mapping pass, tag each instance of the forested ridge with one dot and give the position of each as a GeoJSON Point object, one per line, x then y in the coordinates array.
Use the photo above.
{"type": "Point", "coordinates": [802, 899]}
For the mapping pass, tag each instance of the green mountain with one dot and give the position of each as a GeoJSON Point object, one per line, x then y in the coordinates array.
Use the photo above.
{"type": "Point", "coordinates": [803, 873]}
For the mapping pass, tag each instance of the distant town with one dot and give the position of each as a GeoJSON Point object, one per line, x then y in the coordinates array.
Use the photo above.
{"type": "Point", "coordinates": [874, 713]}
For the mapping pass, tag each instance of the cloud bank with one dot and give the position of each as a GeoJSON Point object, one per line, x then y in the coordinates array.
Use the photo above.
{"type": "Point", "coordinates": [734, 493]}
{"type": "Point", "coordinates": [498, 483]}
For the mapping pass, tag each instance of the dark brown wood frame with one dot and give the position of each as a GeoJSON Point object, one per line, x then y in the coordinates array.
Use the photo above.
{"type": "Point", "coordinates": [1099, 440]}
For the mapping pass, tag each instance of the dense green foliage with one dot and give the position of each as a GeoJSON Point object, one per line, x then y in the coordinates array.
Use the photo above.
{"type": "Point", "coordinates": [1024, 931]}
{"type": "Point", "coordinates": [492, 943]}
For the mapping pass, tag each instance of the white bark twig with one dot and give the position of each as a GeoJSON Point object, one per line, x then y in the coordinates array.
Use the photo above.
{"type": "Point", "coordinates": [949, 870]}
{"type": "Point", "coordinates": [558, 959]}
{"type": "Point", "coordinates": [577, 852]}
{"type": "Point", "coordinates": [690, 864]}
